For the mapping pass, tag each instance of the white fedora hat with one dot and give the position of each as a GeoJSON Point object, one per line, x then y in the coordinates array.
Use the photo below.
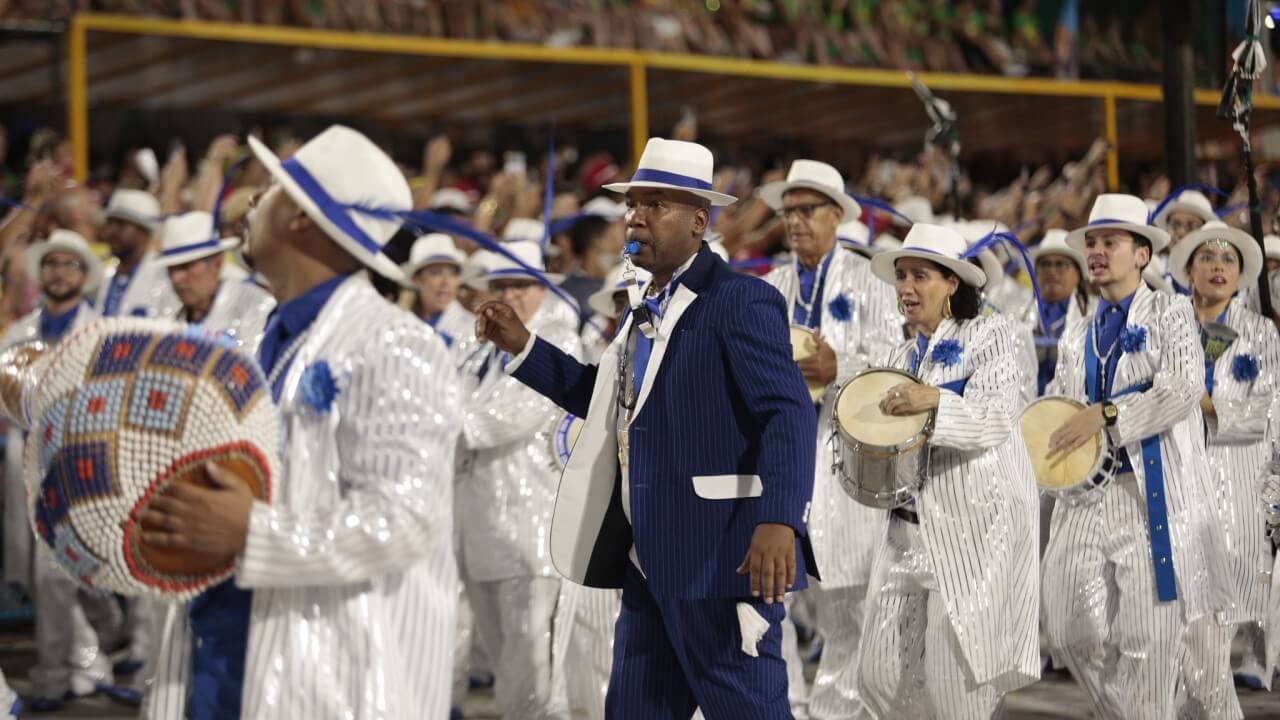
{"type": "Point", "coordinates": [816, 176]}
{"type": "Point", "coordinates": [1120, 212]}
{"type": "Point", "coordinates": [1054, 242]}
{"type": "Point", "coordinates": [974, 231]}
{"type": "Point", "coordinates": [333, 171]}
{"type": "Point", "coordinates": [523, 230]}
{"type": "Point", "coordinates": [65, 241]}
{"type": "Point", "coordinates": [136, 206]}
{"type": "Point", "coordinates": [601, 301]}
{"type": "Point", "coordinates": [913, 208]}
{"type": "Point", "coordinates": [942, 245]}
{"type": "Point", "coordinates": [856, 236]}
{"type": "Point", "coordinates": [675, 165]}
{"type": "Point", "coordinates": [603, 207]}
{"type": "Point", "coordinates": [1243, 242]}
{"type": "Point", "coordinates": [432, 249]}
{"type": "Point", "coordinates": [885, 241]}
{"type": "Point", "coordinates": [500, 266]}
{"type": "Point", "coordinates": [450, 199]}
{"type": "Point", "coordinates": [191, 236]}
{"type": "Point", "coordinates": [1271, 247]}
{"type": "Point", "coordinates": [1187, 201]}
{"type": "Point", "coordinates": [475, 267]}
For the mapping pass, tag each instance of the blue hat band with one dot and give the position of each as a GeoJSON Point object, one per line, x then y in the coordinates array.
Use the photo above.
{"type": "Point", "coordinates": [333, 211]}
{"type": "Point", "coordinates": [210, 244]}
{"type": "Point", "coordinates": [669, 178]}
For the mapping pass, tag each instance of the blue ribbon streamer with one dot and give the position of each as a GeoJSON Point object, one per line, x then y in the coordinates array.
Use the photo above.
{"type": "Point", "coordinates": [1151, 217]}
{"type": "Point", "coordinates": [1228, 209]}
{"type": "Point", "coordinates": [994, 238]}
{"type": "Point", "coordinates": [880, 205]}
{"type": "Point", "coordinates": [222, 191]}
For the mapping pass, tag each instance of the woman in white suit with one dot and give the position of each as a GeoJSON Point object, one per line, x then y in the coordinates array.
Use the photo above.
{"type": "Point", "coordinates": [951, 623]}
{"type": "Point", "coordinates": [1242, 353]}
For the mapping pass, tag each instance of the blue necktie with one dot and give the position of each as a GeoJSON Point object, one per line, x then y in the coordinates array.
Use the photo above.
{"type": "Point", "coordinates": [917, 355]}
{"type": "Point", "coordinates": [1112, 323]}
{"type": "Point", "coordinates": [644, 346]}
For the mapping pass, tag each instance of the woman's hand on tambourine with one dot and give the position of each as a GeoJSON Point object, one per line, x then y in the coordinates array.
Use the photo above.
{"type": "Point", "coordinates": [1076, 431]}
{"type": "Point", "coordinates": [910, 399]}
{"type": "Point", "coordinates": [210, 520]}
{"type": "Point", "coordinates": [499, 324]}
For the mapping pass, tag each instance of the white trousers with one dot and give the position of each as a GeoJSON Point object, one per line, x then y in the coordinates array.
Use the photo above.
{"type": "Point", "coordinates": [463, 637]}
{"type": "Point", "coordinates": [589, 658]}
{"type": "Point", "coordinates": [67, 653]}
{"type": "Point", "coordinates": [834, 695]}
{"type": "Point", "coordinates": [1100, 609]}
{"type": "Point", "coordinates": [513, 620]}
{"type": "Point", "coordinates": [911, 664]}
{"type": "Point", "coordinates": [1208, 691]}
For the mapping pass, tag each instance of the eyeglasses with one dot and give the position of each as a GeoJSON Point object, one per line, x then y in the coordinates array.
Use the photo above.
{"type": "Point", "coordinates": [804, 212]}
{"type": "Point", "coordinates": [52, 264]}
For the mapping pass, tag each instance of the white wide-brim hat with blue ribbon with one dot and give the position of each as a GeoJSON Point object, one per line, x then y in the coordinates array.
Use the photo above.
{"type": "Point", "coordinates": [500, 267]}
{"type": "Point", "coordinates": [67, 241]}
{"type": "Point", "coordinates": [1193, 202]}
{"type": "Point", "coordinates": [675, 165]}
{"type": "Point", "coordinates": [135, 206]}
{"type": "Point", "coordinates": [1243, 242]}
{"type": "Point", "coordinates": [432, 249]}
{"type": "Point", "coordinates": [335, 171]}
{"type": "Point", "coordinates": [190, 237]}
{"type": "Point", "coordinates": [601, 301]}
{"type": "Point", "coordinates": [935, 243]}
{"type": "Point", "coordinates": [816, 176]}
{"type": "Point", "coordinates": [1117, 211]}
{"type": "Point", "coordinates": [1054, 242]}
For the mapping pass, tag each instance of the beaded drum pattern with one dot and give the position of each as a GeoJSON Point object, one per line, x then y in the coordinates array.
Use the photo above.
{"type": "Point", "coordinates": [121, 409]}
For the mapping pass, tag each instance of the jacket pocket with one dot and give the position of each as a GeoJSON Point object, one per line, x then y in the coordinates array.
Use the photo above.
{"type": "Point", "coordinates": [727, 487]}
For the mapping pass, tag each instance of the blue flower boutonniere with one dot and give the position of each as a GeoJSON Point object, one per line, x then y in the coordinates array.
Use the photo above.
{"type": "Point", "coordinates": [840, 308]}
{"type": "Point", "coordinates": [1133, 339]}
{"type": "Point", "coordinates": [318, 387]}
{"type": "Point", "coordinates": [1244, 368]}
{"type": "Point", "coordinates": [947, 352]}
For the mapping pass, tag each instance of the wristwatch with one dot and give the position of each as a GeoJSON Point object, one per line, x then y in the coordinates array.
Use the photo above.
{"type": "Point", "coordinates": [1110, 412]}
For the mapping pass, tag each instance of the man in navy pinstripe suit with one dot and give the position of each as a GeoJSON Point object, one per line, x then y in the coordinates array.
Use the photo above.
{"type": "Point", "coordinates": [690, 483]}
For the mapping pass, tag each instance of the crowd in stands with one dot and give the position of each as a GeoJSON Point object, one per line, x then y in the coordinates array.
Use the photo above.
{"type": "Point", "coordinates": [1063, 38]}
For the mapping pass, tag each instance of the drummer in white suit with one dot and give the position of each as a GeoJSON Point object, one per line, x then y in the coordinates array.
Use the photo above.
{"type": "Point", "coordinates": [193, 255]}
{"type": "Point", "coordinates": [68, 659]}
{"type": "Point", "coordinates": [1242, 356]}
{"type": "Point", "coordinates": [343, 598]}
{"type": "Point", "coordinates": [1133, 562]}
{"type": "Point", "coordinates": [435, 269]}
{"type": "Point", "coordinates": [951, 621]}
{"type": "Point", "coordinates": [506, 501]}
{"type": "Point", "coordinates": [853, 319]}
{"type": "Point", "coordinates": [135, 285]}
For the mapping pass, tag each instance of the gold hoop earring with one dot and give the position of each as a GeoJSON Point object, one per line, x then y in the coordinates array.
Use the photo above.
{"type": "Point", "coordinates": [946, 309]}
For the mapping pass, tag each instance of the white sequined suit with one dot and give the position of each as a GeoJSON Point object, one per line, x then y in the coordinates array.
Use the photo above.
{"type": "Point", "coordinates": [149, 293]}
{"type": "Point", "coordinates": [1243, 387]}
{"type": "Point", "coordinates": [504, 508]}
{"type": "Point", "coordinates": [844, 532]}
{"type": "Point", "coordinates": [352, 565]}
{"type": "Point", "coordinates": [67, 653]}
{"type": "Point", "coordinates": [240, 309]}
{"type": "Point", "coordinates": [951, 615]}
{"type": "Point", "coordinates": [457, 323]}
{"type": "Point", "coordinates": [1101, 614]}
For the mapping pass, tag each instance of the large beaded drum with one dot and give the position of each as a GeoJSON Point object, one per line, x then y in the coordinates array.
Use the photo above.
{"type": "Point", "coordinates": [119, 411]}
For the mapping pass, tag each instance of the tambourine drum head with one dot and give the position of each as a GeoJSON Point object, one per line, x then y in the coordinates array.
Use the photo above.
{"type": "Point", "coordinates": [1039, 421]}
{"type": "Point", "coordinates": [858, 410]}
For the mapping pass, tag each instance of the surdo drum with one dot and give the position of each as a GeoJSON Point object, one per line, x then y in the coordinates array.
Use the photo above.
{"type": "Point", "coordinates": [881, 459]}
{"type": "Point", "coordinates": [119, 411]}
{"type": "Point", "coordinates": [1072, 477]}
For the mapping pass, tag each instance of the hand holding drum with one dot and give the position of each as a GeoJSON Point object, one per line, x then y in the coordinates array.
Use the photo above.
{"type": "Point", "coordinates": [882, 456]}
{"type": "Point", "coordinates": [1067, 446]}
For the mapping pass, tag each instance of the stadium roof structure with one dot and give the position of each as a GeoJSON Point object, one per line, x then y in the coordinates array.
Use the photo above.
{"type": "Point", "coordinates": [404, 82]}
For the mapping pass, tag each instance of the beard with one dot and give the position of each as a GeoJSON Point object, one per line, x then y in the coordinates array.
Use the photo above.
{"type": "Point", "coordinates": [60, 297]}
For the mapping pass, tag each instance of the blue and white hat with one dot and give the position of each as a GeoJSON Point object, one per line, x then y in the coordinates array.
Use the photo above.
{"type": "Point", "coordinates": [499, 267]}
{"type": "Point", "coordinates": [523, 230]}
{"type": "Point", "coordinates": [675, 165]}
{"type": "Point", "coordinates": [334, 171]}
{"type": "Point", "coordinates": [1217, 231]}
{"type": "Point", "coordinates": [432, 249]}
{"type": "Point", "coordinates": [942, 245]}
{"type": "Point", "coordinates": [1187, 201]}
{"type": "Point", "coordinates": [190, 237]}
{"type": "Point", "coordinates": [68, 241]}
{"type": "Point", "coordinates": [135, 206]}
{"type": "Point", "coordinates": [1120, 212]}
{"type": "Point", "coordinates": [816, 176]}
{"type": "Point", "coordinates": [601, 301]}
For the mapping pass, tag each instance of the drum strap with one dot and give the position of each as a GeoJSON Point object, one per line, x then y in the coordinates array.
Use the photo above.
{"type": "Point", "coordinates": [1157, 510]}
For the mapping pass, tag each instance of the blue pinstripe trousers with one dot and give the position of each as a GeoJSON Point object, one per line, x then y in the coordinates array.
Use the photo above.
{"type": "Point", "coordinates": [674, 655]}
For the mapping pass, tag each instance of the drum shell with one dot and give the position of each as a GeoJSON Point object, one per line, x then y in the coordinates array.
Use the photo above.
{"type": "Point", "coordinates": [880, 476]}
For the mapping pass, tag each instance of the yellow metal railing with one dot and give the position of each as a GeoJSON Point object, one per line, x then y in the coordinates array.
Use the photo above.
{"type": "Point", "coordinates": [636, 62]}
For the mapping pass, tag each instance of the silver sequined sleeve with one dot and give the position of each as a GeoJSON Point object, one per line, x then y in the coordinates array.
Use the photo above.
{"type": "Point", "coordinates": [397, 414]}
{"type": "Point", "coordinates": [983, 416]}
{"type": "Point", "coordinates": [1176, 388]}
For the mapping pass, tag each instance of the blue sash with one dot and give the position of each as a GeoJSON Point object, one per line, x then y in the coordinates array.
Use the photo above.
{"type": "Point", "coordinates": [1157, 510]}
